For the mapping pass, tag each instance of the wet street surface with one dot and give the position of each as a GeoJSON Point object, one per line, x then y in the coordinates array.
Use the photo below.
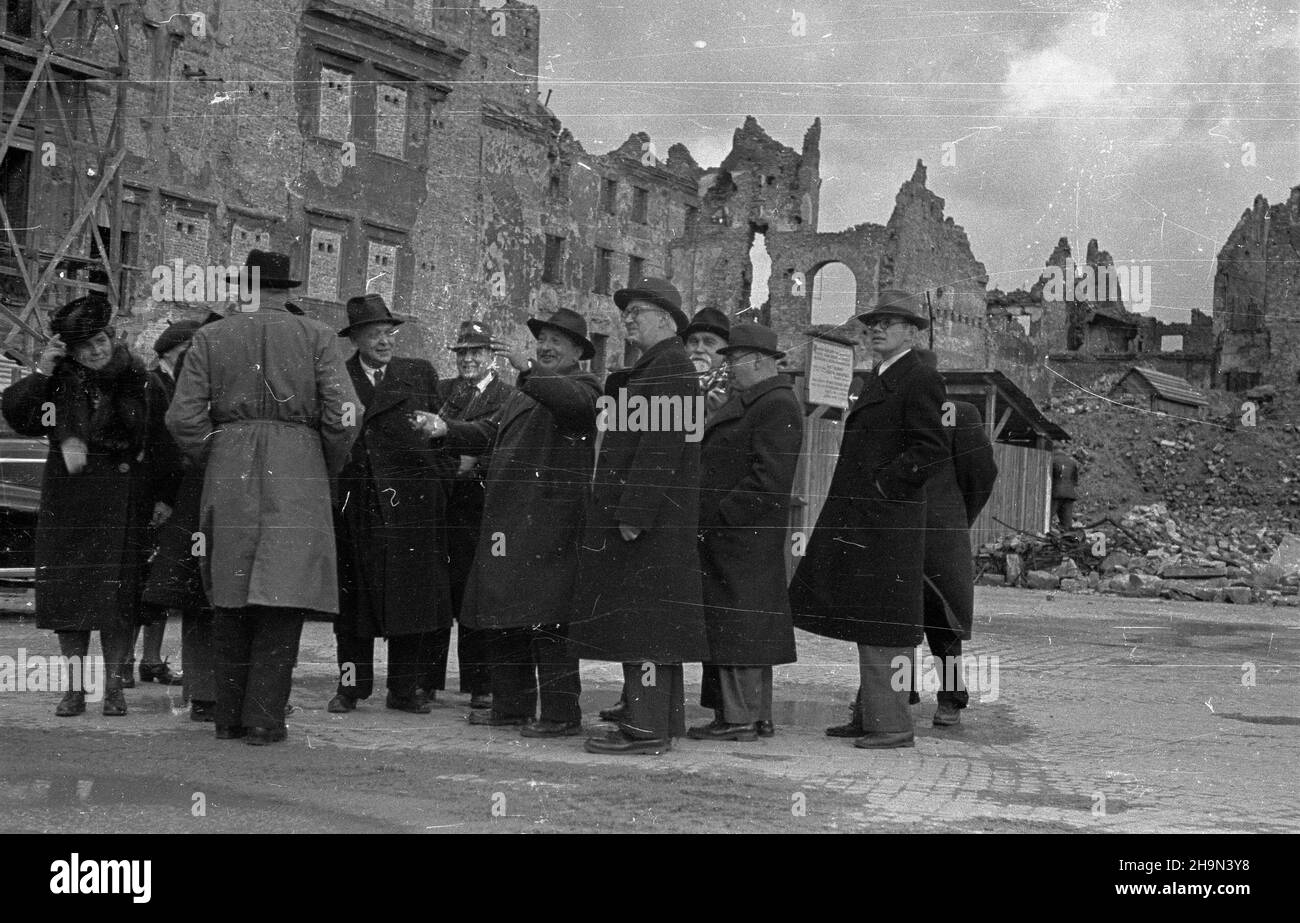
{"type": "Point", "coordinates": [1099, 714]}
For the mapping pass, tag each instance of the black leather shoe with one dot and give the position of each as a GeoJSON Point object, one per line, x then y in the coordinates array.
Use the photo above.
{"type": "Point", "coordinates": [114, 703]}
{"type": "Point", "coordinates": [417, 703]}
{"type": "Point", "coordinates": [128, 675]}
{"type": "Point", "coordinates": [229, 732]}
{"type": "Point", "coordinates": [765, 728]}
{"type": "Point", "coordinates": [341, 704]}
{"type": "Point", "coordinates": [546, 728]}
{"type": "Point", "coordinates": [620, 743]}
{"type": "Point", "coordinates": [947, 715]}
{"type": "Point", "coordinates": [489, 719]}
{"type": "Point", "coordinates": [716, 730]}
{"type": "Point", "coordinates": [845, 730]}
{"type": "Point", "coordinates": [201, 710]}
{"type": "Point", "coordinates": [159, 673]}
{"type": "Point", "coordinates": [260, 737]}
{"type": "Point", "coordinates": [880, 741]}
{"type": "Point", "coordinates": [71, 705]}
{"type": "Point", "coordinates": [617, 713]}
{"type": "Point", "coordinates": [480, 701]}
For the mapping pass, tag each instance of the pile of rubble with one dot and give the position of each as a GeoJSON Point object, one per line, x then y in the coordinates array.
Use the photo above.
{"type": "Point", "coordinates": [1151, 551]}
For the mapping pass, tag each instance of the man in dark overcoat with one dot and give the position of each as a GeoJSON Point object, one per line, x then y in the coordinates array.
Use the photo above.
{"type": "Point", "coordinates": [862, 578]}
{"type": "Point", "coordinates": [520, 590]}
{"type": "Point", "coordinates": [392, 567]}
{"type": "Point", "coordinates": [265, 405]}
{"type": "Point", "coordinates": [475, 394]}
{"type": "Point", "coordinates": [954, 498]}
{"type": "Point", "coordinates": [747, 466]}
{"type": "Point", "coordinates": [638, 597]}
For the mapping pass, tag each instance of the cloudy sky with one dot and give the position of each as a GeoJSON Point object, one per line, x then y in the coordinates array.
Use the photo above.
{"type": "Point", "coordinates": [1150, 126]}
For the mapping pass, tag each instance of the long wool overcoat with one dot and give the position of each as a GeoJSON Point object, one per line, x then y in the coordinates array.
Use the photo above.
{"type": "Point", "coordinates": [92, 532]}
{"type": "Point", "coordinates": [538, 479]}
{"type": "Point", "coordinates": [862, 578]}
{"type": "Point", "coordinates": [265, 404]}
{"type": "Point", "coordinates": [954, 497]}
{"type": "Point", "coordinates": [747, 465]}
{"type": "Point", "coordinates": [640, 600]}
{"type": "Point", "coordinates": [392, 563]}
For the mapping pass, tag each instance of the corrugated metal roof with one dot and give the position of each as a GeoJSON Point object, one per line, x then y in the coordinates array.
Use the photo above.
{"type": "Point", "coordinates": [1011, 395]}
{"type": "Point", "coordinates": [1170, 387]}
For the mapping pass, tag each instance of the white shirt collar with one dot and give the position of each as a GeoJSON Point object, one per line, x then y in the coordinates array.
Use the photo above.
{"type": "Point", "coordinates": [370, 372]}
{"type": "Point", "coordinates": [483, 382]}
{"type": "Point", "coordinates": [880, 369]}
{"type": "Point", "coordinates": [167, 367]}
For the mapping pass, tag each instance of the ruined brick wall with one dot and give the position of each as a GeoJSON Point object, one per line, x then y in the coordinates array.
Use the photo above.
{"type": "Point", "coordinates": [1257, 297]}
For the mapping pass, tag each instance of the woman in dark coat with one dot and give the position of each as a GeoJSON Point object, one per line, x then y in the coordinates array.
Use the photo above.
{"type": "Point", "coordinates": [88, 397]}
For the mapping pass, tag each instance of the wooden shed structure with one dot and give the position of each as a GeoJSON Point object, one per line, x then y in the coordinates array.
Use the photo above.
{"type": "Point", "coordinates": [1161, 392]}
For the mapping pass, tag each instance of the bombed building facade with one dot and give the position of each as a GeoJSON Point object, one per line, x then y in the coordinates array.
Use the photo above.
{"type": "Point", "coordinates": [403, 148]}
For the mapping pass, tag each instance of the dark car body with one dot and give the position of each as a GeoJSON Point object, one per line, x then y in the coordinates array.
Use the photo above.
{"type": "Point", "coordinates": [22, 468]}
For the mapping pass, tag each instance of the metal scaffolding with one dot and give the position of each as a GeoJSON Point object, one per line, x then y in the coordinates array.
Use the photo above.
{"type": "Point", "coordinates": [46, 260]}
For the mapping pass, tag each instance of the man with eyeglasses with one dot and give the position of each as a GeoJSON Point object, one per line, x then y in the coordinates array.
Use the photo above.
{"type": "Point", "coordinates": [862, 578]}
{"type": "Point", "coordinates": [638, 599]}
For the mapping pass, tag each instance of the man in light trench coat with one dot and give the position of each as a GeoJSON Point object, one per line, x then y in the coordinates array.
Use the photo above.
{"type": "Point", "coordinates": [264, 402]}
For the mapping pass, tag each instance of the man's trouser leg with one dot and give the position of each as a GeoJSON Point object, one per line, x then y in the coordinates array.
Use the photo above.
{"type": "Point", "coordinates": [883, 709]}
{"type": "Point", "coordinates": [473, 654]}
{"type": "Point", "coordinates": [408, 662]}
{"type": "Point", "coordinates": [200, 682]}
{"type": "Point", "coordinates": [945, 645]}
{"type": "Point", "coordinates": [274, 636]}
{"type": "Point", "coordinates": [558, 681]}
{"type": "Point", "coordinates": [232, 640]}
{"type": "Point", "coordinates": [356, 658]}
{"type": "Point", "coordinates": [711, 691]}
{"type": "Point", "coordinates": [514, 678]}
{"type": "Point", "coordinates": [656, 700]}
{"type": "Point", "coordinates": [741, 693]}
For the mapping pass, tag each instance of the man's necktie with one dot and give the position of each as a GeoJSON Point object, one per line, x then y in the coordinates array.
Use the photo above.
{"type": "Point", "coordinates": [379, 377]}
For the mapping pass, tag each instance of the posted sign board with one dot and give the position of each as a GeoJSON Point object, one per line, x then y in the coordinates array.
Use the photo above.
{"type": "Point", "coordinates": [830, 373]}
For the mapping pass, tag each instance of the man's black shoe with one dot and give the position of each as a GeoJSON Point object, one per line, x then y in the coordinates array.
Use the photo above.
{"type": "Point", "coordinates": [716, 730]}
{"type": "Point", "coordinates": [260, 737]}
{"type": "Point", "coordinates": [202, 710]}
{"type": "Point", "coordinates": [341, 704]}
{"type": "Point", "coordinates": [416, 703]}
{"type": "Point", "coordinates": [489, 719]}
{"type": "Point", "coordinates": [617, 713]}
{"type": "Point", "coordinates": [947, 715]}
{"type": "Point", "coordinates": [545, 728]}
{"type": "Point", "coordinates": [765, 728]}
{"type": "Point", "coordinates": [480, 701]}
{"type": "Point", "coordinates": [845, 730]}
{"type": "Point", "coordinates": [229, 732]}
{"type": "Point", "coordinates": [622, 743]}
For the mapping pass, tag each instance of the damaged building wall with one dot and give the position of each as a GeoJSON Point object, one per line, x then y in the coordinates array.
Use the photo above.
{"type": "Point", "coordinates": [1257, 297]}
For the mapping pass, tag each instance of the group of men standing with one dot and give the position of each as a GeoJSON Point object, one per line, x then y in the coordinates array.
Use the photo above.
{"type": "Point", "coordinates": [369, 490]}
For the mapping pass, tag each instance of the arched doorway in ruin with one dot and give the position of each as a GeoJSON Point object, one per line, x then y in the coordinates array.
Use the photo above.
{"type": "Point", "coordinates": [833, 289]}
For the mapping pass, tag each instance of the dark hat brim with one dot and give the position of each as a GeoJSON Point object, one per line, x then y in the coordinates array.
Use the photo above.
{"type": "Point", "coordinates": [624, 296]}
{"type": "Point", "coordinates": [537, 326]}
{"type": "Point", "coordinates": [704, 328]}
{"type": "Point", "coordinates": [395, 321]}
{"type": "Point", "coordinates": [916, 320]}
{"type": "Point", "coordinates": [774, 353]}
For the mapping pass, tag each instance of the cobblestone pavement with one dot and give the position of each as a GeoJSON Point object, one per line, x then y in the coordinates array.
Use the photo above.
{"type": "Point", "coordinates": [1098, 714]}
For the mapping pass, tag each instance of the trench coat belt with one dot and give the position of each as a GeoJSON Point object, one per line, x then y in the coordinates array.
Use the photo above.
{"type": "Point", "coordinates": [313, 425]}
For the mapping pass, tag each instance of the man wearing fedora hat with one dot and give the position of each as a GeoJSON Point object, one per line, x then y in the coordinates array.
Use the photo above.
{"type": "Point", "coordinates": [476, 394]}
{"type": "Point", "coordinates": [265, 404]}
{"type": "Point", "coordinates": [748, 458]}
{"type": "Point", "coordinates": [703, 338]}
{"type": "Point", "coordinates": [638, 594]}
{"type": "Point", "coordinates": [392, 567]}
{"type": "Point", "coordinates": [521, 587]}
{"type": "Point", "coordinates": [862, 578]}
